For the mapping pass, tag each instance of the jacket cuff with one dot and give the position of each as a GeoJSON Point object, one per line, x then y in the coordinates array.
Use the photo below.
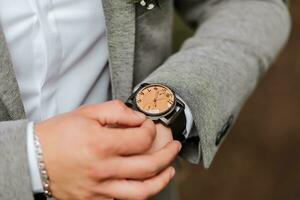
{"type": "Point", "coordinates": [14, 170]}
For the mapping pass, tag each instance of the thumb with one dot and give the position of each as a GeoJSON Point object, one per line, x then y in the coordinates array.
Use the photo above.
{"type": "Point", "coordinates": [114, 113]}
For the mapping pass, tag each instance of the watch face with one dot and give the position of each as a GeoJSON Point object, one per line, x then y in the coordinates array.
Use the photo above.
{"type": "Point", "coordinates": [155, 99]}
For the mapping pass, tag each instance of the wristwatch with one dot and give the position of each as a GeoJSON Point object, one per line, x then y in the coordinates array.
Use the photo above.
{"type": "Point", "coordinates": [159, 103]}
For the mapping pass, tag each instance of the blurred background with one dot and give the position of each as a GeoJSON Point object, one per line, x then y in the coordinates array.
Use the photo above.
{"type": "Point", "coordinates": [260, 159]}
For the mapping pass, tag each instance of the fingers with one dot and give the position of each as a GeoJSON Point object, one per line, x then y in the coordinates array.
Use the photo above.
{"type": "Point", "coordinates": [143, 166]}
{"type": "Point", "coordinates": [113, 113]}
{"type": "Point", "coordinates": [163, 137]}
{"type": "Point", "coordinates": [130, 141]}
{"type": "Point", "coordinates": [132, 189]}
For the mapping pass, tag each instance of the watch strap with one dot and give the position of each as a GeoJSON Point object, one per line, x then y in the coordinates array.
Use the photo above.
{"type": "Point", "coordinates": [178, 125]}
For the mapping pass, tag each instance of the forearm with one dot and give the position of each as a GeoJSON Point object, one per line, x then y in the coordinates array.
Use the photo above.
{"type": "Point", "coordinates": [218, 68]}
{"type": "Point", "coordinates": [14, 172]}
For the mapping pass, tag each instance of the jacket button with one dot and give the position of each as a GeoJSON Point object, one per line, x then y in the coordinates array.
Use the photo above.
{"type": "Point", "coordinates": [224, 130]}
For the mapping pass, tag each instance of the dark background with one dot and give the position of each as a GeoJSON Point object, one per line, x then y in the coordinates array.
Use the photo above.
{"type": "Point", "coordinates": [260, 159]}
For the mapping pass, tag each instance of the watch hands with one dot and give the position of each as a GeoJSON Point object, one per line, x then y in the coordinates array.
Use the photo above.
{"type": "Point", "coordinates": [155, 98]}
{"type": "Point", "coordinates": [161, 99]}
{"type": "Point", "coordinates": [156, 95]}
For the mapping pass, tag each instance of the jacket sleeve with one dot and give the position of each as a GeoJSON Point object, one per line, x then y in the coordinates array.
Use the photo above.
{"type": "Point", "coordinates": [14, 172]}
{"type": "Point", "coordinates": [235, 42]}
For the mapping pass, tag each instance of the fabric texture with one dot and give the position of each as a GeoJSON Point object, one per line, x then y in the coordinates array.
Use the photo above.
{"type": "Point", "coordinates": [219, 67]}
{"type": "Point", "coordinates": [215, 71]}
{"type": "Point", "coordinates": [15, 178]}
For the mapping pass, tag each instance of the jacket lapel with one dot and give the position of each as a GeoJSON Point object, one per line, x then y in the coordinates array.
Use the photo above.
{"type": "Point", "coordinates": [120, 23]}
{"type": "Point", "coordinates": [9, 90]}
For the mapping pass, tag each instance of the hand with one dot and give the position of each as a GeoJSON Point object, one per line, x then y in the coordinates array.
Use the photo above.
{"type": "Point", "coordinates": [163, 137]}
{"type": "Point", "coordinates": [86, 159]}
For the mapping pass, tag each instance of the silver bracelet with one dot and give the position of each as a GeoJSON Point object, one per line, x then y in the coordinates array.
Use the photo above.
{"type": "Point", "coordinates": [42, 168]}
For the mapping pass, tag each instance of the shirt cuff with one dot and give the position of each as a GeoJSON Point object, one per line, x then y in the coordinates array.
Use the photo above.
{"type": "Point", "coordinates": [36, 181]}
{"type": "Point", "coordinates": [189, 118]}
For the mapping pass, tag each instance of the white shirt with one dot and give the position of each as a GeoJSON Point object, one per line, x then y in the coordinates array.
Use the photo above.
{"type": "Point", "coordinates": [59, 53]}
{"type": "Point", "coordinates": [51, 43]}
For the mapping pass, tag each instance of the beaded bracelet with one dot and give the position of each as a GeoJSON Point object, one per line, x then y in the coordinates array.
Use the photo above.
{"type": "Point", "coordinates": [42, 168]}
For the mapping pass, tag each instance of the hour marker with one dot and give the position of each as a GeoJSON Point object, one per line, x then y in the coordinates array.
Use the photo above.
{"type": "Point", "coordinates": [155, 111]}
{"type": "Point", "coordinates": [149, 90]}
{"type": "Point", "coordinates": [170, 101]}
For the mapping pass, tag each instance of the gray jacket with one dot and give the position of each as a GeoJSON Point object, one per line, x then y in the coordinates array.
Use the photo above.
{"type": "Point", "coordinates": [215, 71]}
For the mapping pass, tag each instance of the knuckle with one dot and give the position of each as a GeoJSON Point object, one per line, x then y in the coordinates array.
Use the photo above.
{"type": "Point", "coordinates": [98, 172]}
{"type": "Point", "coordinates": [99, 147]}
{"type": "Point", "coordinates": [92, 149]}
{"type": "Point", "coordinates": [120, 107]}
{"type": "Point", "coordinates": [93, 173]}
{"type": "Point", "coordinates": [119, 104]}
{"type": "Point", "coordinates": [104, 148]}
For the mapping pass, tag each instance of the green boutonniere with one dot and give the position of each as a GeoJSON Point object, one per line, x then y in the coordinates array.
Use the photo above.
{"type": "Point", "coordinates": [149, 4]}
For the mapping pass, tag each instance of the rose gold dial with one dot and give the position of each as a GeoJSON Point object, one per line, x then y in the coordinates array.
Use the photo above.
{"type": "Point", "coordinates": [155, 99]}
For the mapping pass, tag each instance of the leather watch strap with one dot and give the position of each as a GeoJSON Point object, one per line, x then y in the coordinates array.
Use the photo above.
{"type": "Point", "coordinates": [40, 196]}
{"type": "Point", "coordinates": [178, 126]}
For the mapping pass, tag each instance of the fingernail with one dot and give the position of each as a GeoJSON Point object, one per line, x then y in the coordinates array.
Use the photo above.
{"type": "Point", "coordinates": [140, 115]}
{"type": "Point", "coordinates": [172, 173]}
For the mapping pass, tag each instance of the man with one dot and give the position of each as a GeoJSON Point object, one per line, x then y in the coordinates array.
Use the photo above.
{"type": "Point", "coordinates": [58, 55]}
